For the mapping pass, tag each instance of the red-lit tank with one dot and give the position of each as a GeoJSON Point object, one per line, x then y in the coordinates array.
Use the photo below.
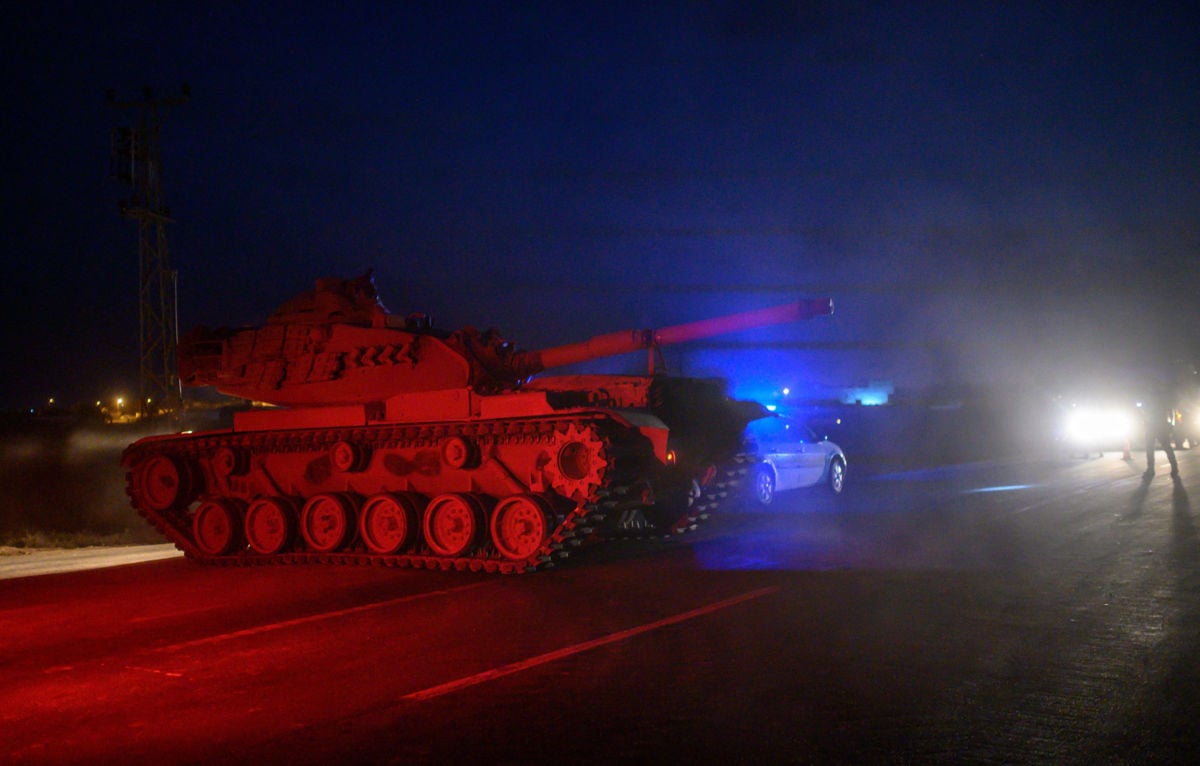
{"type": "Point", "coordinates": [396, 443]}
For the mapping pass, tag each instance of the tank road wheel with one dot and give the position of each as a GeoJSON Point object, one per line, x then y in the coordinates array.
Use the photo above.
{"type": "Point", "coordinates": [349, 458]}
{"type": "Point", "coordinates": [521, 525]}
{"type": "Point", "coordinates": [578, 459]}
{"type": "Point", "coordinates": [452, 523]}
{"type": "Point", "coordinates": [389, 521]}
{"type": "Point", "coordinates": [229, 461]}
{"type": "Point", "coordinates": [217, 526]}
{"type": "Point", "coordinates": [271, 524]}
{"type": "Point", "coordinates": [166, 483]}
{"type": "Point", "coordinates": [327, 521]}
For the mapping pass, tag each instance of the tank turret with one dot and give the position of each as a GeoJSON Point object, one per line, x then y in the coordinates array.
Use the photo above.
{"type": "Point", "coordinates": [393, 442]}
{"type": "Point", "coordinates": [338, 345]}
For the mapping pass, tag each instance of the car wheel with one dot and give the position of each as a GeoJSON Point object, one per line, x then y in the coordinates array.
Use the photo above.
{"type": "Point", "coordinates": [837, 476]}
{"type": "Point", "coordinates": [763, 486]}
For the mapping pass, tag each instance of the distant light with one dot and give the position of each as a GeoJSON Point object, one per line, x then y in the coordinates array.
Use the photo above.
{"type": "Point", "coordinates": [787, 391]}
{"type": "Point", "coordinates": [771, 408]}
{"type": "Point", "coordinates": [874, 394]}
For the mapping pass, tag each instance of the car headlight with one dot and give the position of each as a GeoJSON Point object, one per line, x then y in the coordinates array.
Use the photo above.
{"type": "Point", "coordinates": [1089, 425]}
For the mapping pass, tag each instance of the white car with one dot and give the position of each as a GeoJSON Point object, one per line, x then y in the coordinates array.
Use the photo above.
{"type": "Point", "coordinates": [789, 455]}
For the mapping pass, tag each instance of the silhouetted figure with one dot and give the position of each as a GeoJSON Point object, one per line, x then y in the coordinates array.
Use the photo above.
{"type": "Point", "coordinates": [1158, 414]}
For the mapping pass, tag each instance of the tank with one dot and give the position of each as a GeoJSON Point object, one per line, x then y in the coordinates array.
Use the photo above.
{"type": "Point", "coordinates": [377, 438]}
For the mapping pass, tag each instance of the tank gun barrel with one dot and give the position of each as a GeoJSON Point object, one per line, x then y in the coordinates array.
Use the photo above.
{"type": "Point", "coordinates": [626, 341]}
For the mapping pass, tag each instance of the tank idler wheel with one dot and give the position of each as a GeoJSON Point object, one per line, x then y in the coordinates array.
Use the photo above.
{"type": "Point", "coordinates": [389, 521]}
{"type": "Point", "coordinates": [521, 525]}
{"type": "Point", "coordinates": [166, 483]}
{"type": "Point", "coordinates": [327, 521]}
{"type": "Point", "coordinates": [452, 523]}
{"type": "Point", "coordinates": [271, 524]}
{"type": "Point", "coordinates": [217, 526]}
{"type": "Point", "coordinates": [346, 457]}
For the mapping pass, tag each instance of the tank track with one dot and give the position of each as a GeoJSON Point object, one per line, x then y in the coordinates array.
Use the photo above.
{"type": "Point", "coordinates": [577, 526]}
{"type": "Point", "coordinates": [714, 496]}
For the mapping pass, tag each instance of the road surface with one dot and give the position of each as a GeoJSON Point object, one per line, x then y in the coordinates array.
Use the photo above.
{"type": "Point", "coordinates": [1041, 611]}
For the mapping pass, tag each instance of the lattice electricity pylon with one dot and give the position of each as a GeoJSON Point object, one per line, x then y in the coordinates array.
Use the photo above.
{"type": "Point", "coordinates": [135, 161]}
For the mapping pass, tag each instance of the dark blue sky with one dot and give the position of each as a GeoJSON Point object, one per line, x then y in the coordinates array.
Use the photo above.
{"type": "Point", "coordinates": [988, 190]}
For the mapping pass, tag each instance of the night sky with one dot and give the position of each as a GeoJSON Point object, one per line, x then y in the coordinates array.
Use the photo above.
{"type": "Point", "coordinates": [991, 192]}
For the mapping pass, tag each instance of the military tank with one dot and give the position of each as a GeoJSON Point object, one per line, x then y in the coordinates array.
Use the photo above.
{"type": "Point", "coordinates": [379, 439]}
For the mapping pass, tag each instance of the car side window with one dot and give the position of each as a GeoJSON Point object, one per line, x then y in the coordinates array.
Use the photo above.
{"type": "Point", "coordinates": [781, 430]}
{"type": "Point", "coordinates": [799, 432]}
{"type": "Point", "coordinates": [794, 431]}
{"type": "Point", "coordinates": [768, 430]}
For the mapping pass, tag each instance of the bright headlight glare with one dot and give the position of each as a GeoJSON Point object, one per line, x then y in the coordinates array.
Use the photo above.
{"type": "Point", "coordinates": [1087, 425]}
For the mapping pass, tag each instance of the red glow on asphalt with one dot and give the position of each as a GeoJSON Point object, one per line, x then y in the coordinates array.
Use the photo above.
{"type": "Point", "coordinates": [558, 654]}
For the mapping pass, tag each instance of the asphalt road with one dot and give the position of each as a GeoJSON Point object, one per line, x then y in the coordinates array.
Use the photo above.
{"type": "Point", "coordinates": [1043, 611]}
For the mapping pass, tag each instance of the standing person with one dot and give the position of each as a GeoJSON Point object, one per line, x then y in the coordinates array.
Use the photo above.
{"type": "Point", "coordinates": [1158, 415]}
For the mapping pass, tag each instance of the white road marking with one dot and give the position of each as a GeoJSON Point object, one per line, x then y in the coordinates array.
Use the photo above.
{"type": "Point", "coordinates": [558, 654]}
{"type": "Point", "coordinates": [260, 629]}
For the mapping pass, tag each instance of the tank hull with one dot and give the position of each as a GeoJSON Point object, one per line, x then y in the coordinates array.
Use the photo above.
{"type": "Point", "coordinates": [491, 494]}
